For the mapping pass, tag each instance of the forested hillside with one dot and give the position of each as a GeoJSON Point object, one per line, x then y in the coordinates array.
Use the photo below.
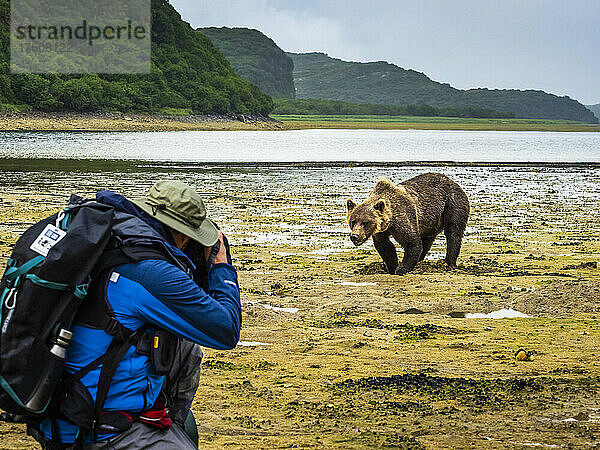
{"type": "Point", "coordinates": [595, 109]}
{"type": "Point", "coordinates": [318, 76]}
{"type": "Point", "coordinates": [337, 107]}
{"type": "Point", "coordinates": [256, 58]}
{"type": "Point", "coordinates": [187, 72]}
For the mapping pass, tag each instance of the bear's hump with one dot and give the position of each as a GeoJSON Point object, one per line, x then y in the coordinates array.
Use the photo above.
{"type": "Point", "coordinates": [383, 185]}
{"type": "Point", "coordinates": [386, 187]}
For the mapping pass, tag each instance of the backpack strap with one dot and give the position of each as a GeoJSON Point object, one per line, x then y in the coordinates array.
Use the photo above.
{"type": "Point", "coordinates": [123, 339]}
{"type": "Point", "coordinates": [117, 253]}
{"type": "Point", "coordinates": [120, 344]}
{"type": "Point", "coordinates": [97, 314]}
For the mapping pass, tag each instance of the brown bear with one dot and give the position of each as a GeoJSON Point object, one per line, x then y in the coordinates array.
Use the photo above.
{"type": "Point", "coordinates": [413, 213]}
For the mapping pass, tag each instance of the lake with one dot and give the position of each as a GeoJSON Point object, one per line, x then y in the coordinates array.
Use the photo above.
{"type": "Point", "coordinates": [307, 145]}
{"type": "Point", "coordinates": [55, 164]}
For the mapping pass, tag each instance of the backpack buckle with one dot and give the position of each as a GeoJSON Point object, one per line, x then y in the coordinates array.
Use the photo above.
{"type": "Point", "coordinates": [112, 327]}
{"type": "Point", "coordinates": [60, 217]}
{"type": "Point", "coordinates": [12, 295]}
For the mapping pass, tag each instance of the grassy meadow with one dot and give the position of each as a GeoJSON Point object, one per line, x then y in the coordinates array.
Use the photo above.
{"type": "Point", "coordinates": [429, 123]}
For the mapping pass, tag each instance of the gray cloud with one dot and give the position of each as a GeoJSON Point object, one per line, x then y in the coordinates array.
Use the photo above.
{"type": "Point", "coordinates": [525, 44]}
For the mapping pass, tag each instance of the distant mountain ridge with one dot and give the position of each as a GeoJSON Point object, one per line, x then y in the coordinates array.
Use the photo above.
{"type": "Point", "coordinates": [595, 109]}
{"type": "Point", "coordinates": [256, 58]}
{"type": "Point", "coordinates": [316, 75]}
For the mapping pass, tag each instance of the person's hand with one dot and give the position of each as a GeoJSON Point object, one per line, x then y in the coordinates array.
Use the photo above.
{"type": "Point", "coordinates": [221, 255]}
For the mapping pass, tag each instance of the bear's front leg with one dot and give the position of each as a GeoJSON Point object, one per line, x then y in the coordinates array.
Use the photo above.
{"type": "Point", "coordinates": [387, 251]}
{"type": "Point", "coordinates": [412, 253]}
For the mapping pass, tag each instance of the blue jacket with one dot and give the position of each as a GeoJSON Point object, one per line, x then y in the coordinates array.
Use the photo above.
{"type": "Point", "coordinates": [158, 293]}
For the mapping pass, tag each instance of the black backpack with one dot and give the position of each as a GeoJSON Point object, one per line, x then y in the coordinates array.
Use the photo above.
{"type": "Point", "coordinates": [56, 276]}
{"type": "Point", "coordinates": [45, 282]}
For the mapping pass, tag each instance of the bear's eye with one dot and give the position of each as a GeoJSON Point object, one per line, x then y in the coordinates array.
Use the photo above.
{"type": "Point", "coordinates": [365, 224]}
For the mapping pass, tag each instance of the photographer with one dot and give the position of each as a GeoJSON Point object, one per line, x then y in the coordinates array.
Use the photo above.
{"type": "Point", "coordinates": [183, 292]}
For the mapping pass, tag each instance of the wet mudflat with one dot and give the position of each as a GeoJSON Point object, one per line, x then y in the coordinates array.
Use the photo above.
{"type": "Point", "coordinates": [337, 353]}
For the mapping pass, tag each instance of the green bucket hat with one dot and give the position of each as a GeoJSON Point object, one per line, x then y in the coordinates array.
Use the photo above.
{"type": "Point", "coordinates": [178, 206]}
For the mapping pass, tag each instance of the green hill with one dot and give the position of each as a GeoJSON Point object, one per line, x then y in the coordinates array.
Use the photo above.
{"type": "Point", "coordinates": [256, 58]}
{"type": "Point", "coordinates": [595, 109]}
{"type": "Point", "coordinates": [319, 76]}
{"type": "Point", "coordinates": [310, 106]}
{"type": "Point", "coordinates": [187, 72]}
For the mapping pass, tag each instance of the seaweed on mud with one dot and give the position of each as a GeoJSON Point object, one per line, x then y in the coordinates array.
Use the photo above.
{"type": "Point", "coordinates": [432, 266]}
{"type": "Point", "coordinates": [568, 371]}
{"type": "Point", "coordinates": [422, 267]}
{"type": "Point", "coordinates": [345, 312]}
{"type": "Point", "coordinates": [494, 393]}
{"type": "Point", "coordinates": [252, 291]}
{"type": "Point", "coordinates": [532, 257]}
{"type": "Point", "coordinates": [279, 289]}
{"type": "Point", "coordinates": [406, 331]}
{"type": "Point", "coordinates": [244, 387]}
{"type": "Point", "coordinates": [217, 364]}
{"type": "Point", "coordinates": [480, 266]}
{"type": "Point", "coordinates": [397, 407]}
{"type": "Point", "coordinates": [315, 410]}
{"type": "Point", "coordinates": [568, 243]}
{"type": "Point", "coordinates": [479, 292]}
{"type": "Point", "coordinates": [264, 365]}
{"type": "Point", "coordinates": [487, 266]}
{"type": "Point", "coordinates": [519, 273]}
{"type": "Point", "coordinates": [371, 269]}
{"type": "Point", "coordinates": [583, 265]}
{"type": "Point", "coordinates": [248, 421]}
{"type": "Point", "coordinates": [424, 331]}
{"type": "Point", "coordinates": [248, 264]}
{"type": "Point", "coordinates": [557, 274]}
{"type": "Point", "coordinates": [360, 344]}
{"type": "Point", "coordinates": [412, 311]}
{"type": "Point", "coordinates": [374, 439]}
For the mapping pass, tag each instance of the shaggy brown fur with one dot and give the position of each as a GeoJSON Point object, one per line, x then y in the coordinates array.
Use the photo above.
{"type": "Point", "coordinates": [413, 213]}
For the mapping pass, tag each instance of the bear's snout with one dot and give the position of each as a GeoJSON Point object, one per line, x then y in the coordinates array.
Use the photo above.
{"type": "Point", "coordinates": [356, 240]}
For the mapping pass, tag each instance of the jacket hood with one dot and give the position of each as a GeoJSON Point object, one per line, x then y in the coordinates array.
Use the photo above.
{"type": "Point", "coordinates": [131, 222]}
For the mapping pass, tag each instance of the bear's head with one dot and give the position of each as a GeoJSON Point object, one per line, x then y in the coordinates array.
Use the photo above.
{"type": "Point", "coordinates": [368, 218]}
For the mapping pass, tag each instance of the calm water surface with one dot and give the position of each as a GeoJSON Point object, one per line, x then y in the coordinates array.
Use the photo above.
{"type": "Point", "coordinates": [307, 145]}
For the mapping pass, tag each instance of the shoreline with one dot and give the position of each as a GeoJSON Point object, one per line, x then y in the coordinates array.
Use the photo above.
{"type": "Point", "coordinates": [109, 165]}
{"type": "Point", "coordinates": [116, 122]}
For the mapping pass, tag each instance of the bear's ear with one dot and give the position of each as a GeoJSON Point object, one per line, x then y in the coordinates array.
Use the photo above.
{"type": "Point", "coordinates": [350, 204]}
{"type": "Point", "coordinates": [379, 206]}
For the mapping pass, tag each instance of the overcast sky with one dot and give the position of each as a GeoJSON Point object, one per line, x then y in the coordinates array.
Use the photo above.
{"type": "Point", "coordinates": [553, 45]}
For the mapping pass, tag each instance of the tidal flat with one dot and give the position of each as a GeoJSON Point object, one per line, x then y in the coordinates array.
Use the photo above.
{"type": "Point", "coordinates": [182, 120]}
{"type": "Point", "coordinates": [339, 354]}
{"type": "Point", "coordinates": [118, 122]}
